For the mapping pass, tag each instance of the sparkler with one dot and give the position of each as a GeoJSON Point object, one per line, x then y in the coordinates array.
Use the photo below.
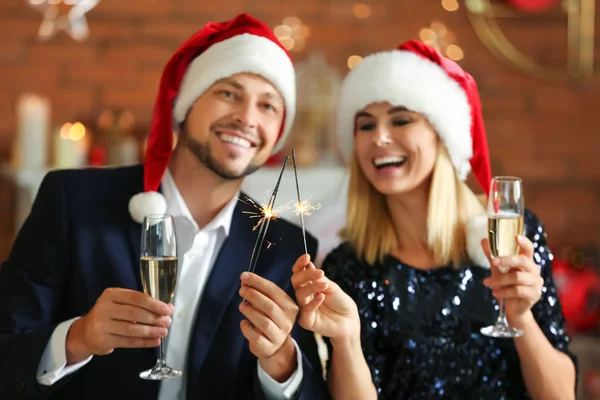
{"type": "Point", "coordinates": [266, 214]}
{"type": "Point", "coordinates": [303, 207]}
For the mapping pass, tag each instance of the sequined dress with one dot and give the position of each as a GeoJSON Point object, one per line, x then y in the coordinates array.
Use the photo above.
{"type": "Point", "coordinates": [420, 328]}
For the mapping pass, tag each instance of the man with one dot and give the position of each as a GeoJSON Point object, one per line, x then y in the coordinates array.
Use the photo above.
{"type": "Point", "coordinates": [74, 322]}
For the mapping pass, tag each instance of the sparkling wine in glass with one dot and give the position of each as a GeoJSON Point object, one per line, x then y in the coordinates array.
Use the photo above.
{"type": "Point", "coordinates": [158, 267]}
{"type": "Point", "coordinates": [505, 221]}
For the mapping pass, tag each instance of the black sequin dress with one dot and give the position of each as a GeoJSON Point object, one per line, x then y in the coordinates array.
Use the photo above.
{"type": "Point", "coordinates": [420, 328]}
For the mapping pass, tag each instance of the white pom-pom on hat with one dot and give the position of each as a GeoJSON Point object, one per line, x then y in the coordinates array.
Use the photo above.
{"type": "Point", "coordinates": [146, 203]}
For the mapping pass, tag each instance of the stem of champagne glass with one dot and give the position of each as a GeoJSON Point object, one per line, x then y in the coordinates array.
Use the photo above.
{"type": "Point", "coordinates": [502, 317]}
{"type": "Point", "coordinates": [161, 353]}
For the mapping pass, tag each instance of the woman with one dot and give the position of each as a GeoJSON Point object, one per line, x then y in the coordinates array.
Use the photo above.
{"type": "Point", "coordinates": [403, 299]}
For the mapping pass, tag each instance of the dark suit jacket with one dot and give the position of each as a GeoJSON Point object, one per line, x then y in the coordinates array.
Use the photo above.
{"type": "Point", "coordinates": [79, 240]}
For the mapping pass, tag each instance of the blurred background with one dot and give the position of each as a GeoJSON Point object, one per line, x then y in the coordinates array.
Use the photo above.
{"type": "Point", "coordinates": [78, 80]}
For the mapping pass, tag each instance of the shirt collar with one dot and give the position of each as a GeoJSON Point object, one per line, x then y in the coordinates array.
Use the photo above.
{"type": "Point", "coordinates": [177, 208]}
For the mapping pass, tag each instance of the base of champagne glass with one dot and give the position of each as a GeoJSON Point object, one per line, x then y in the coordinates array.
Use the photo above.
{"type": "Point", "coordinates": [160, 372]}
{"type": "Point", "coordinates": [501, 331]}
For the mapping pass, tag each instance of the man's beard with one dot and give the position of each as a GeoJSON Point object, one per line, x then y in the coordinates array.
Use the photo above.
{"type": "Point", "coordinates": [202, 152]}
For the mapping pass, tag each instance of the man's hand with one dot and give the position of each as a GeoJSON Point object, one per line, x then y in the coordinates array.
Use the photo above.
{"type": "Point", "coordinates": [271, 316]}
{"type": "Point", "coordinates": [121, 318]}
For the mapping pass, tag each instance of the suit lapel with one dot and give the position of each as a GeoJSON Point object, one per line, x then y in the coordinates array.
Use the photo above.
{"type": "Point", "coordinates": [222, 285]}
{"type": "Point", "coordinates": [134, 233]}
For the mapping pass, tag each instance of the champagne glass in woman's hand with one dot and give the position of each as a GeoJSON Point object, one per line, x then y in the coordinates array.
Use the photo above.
{"type": "Point", "coordinates": [158, 264]}
{"type": "Point", "coordinates": [505, 222]}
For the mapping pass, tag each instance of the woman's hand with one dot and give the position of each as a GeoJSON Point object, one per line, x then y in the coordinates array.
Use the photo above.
{"type": "Point", "coordinates": [324, 307]}
{"type": "Point", "coordinates": [521, 285]}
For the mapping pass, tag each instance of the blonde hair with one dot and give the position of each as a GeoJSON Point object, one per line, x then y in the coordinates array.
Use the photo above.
{"type": "Point", "coordinates": [451, 205]}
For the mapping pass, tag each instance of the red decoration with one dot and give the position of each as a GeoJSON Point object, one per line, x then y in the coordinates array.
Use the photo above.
{"type": "Point", "coordinates": [533, 6]}
{"type": "Point", "coordinates": [98, 157]}
{"type": "Point", "coordinates": [579, 293]}
{"type": "Point", "coordinates": [591, 381]}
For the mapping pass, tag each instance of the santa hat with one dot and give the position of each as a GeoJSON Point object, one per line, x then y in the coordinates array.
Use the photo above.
{"type": "Point", "coordinates": [217, 51]}
{"type": "Point", "coordinates": [418, 77]}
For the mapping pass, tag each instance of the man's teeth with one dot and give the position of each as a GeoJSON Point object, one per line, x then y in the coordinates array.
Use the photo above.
{"type": "Point", "coordinates": [238, 141]}
{"type": "Point", "coordinates": [389, 160]}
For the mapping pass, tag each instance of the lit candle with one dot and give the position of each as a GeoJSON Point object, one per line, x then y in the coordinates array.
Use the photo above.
{"type": "Point", "coordinates": [71, 146]}
{"type": "Point", "coordinates": [129, 151]}
{"type": "Point", "coordinates": [33, 116]}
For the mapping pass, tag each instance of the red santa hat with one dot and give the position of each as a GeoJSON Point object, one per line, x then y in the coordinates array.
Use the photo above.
{"type": "Point", "coordinates": [418, 77]}
{"type": "Point", "coordinates": [217, 51]}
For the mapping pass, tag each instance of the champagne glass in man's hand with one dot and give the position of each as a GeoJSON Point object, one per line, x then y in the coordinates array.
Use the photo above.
{"type": "Point", "coordinates": [124, 318]}
{"type": "Point", "coordinates": [158, 265]}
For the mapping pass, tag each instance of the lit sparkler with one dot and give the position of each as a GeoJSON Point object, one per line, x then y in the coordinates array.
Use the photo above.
{"type": "Point", "coordinates": [265, 215]}
{"type": "Point", "coordinates": [303, 207]}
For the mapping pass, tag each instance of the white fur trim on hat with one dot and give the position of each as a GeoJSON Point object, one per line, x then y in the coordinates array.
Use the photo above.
{"type": "Point", "coordinates": [146, 203]}
{"type": "Point", "coordinates": [403, 78]}
{"type": "Point", "coordinates": [242, 53]}
{"type": "Point", "coordinates": [477, 229]}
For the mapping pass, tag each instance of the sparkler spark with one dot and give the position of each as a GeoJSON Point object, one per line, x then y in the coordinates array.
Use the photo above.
{"type": "Point", "coordinates": [263, 211]}
{"type": "Point", "coordinates": [305, 207]}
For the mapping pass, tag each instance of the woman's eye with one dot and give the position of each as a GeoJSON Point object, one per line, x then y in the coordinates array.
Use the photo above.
{"type": "Point", "coordinates": [366, 127]}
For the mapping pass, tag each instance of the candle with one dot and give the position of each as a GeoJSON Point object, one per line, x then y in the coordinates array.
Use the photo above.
{"type": "Point", "coordinates": [129, 151]}
{"type": "Point", "coordinates": [71, 146]}
{"type": "Point", "coordinates": [33, 118]}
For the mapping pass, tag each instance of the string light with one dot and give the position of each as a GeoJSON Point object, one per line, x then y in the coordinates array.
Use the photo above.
{"type": "Point", "coordinates": [292, 33]}
{"type": "Point", "coordinates": [454, 52]}
{"type": "Point", "coordinates": [439, 37]}
{"type": "Point", "coordinates": [293, 22]}
{"type": "Point", "coordinates": [353, 61]}
{"type": "Point", "coordinates": [450, 5]}
{"type": "Point", "coordinates": [283, 31]}
{"type": "Point", "coordinates": [361, 10]}
{"type": "Point", "coordinates": [288, 42]}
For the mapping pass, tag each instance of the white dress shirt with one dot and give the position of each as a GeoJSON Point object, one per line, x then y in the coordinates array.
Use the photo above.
{"type": "Point", "coordinates": [198, 250]}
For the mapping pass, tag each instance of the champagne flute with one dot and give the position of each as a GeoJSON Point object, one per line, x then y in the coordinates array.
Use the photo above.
{"type": "Point", "coordinates": [505, 221]}
{"type": "Point", "coordinates": [158, 266]}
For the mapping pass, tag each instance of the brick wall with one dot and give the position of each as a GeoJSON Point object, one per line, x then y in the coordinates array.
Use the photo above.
{"type": "Point", "coordinates": [542, 131]}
